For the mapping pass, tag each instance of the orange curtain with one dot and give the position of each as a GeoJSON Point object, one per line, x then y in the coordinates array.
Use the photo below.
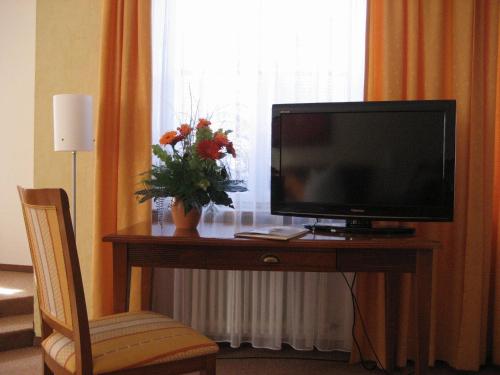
{"type": "Point", "coordinates": [123, 147]}
{"type": "Point", "coordinates": [495, 264]}
{"type": "Point", "coordinates": [445, 49]}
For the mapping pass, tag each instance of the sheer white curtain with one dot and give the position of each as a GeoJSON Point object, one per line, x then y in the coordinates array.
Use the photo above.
{"type": "Point", "coordinates": [230, 60]}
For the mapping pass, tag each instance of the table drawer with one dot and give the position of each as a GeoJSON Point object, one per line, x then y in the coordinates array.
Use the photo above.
{"type": "Point", "coordinates": [165, 257]}
{"type": "Point", "coordinates": [376, 260]}
{"type": "Point", "coordinates": [272, 260]}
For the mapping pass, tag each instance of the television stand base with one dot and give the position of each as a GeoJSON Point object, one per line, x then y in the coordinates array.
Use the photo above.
{"type": "Point", "coordinates": [361, 227]}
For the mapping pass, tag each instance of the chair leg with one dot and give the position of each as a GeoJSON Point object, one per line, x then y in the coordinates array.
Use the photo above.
{"type": "Point", "coordinates": [210, 367]}
{"type": "Point", "coordinates": [47, 370]}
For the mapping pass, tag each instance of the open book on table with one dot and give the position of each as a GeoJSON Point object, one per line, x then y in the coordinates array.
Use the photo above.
{"type": "Point", "coordinates": [273, 233]}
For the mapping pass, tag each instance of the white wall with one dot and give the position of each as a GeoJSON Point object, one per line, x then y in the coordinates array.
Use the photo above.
{"type": "Point", "coordinates": [17, 103]}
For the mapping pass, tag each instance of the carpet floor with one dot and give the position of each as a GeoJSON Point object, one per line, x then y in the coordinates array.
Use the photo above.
{"type": "Point", "coordinates": [15, 285]}
{"type": "Point", "coordinates": [242, 361]}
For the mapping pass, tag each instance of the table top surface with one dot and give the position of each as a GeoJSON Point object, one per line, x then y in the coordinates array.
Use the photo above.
{"type": "Point", "coordinates": [220, 233]}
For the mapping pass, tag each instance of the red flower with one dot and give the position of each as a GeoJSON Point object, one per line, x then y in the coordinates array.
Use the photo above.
{"type": "Point", "coordinates": [184, 129]}
{"type": "Point", "coordinates": [178, 138]}
{"type": "Point", "coordinates": [208, 149]}
{"type": "Point", "coordinates": [221, 139]}
{"type": "Point", "coordinates": [203, 123]}
{"type": "Point", "coordinates": [230, 149]}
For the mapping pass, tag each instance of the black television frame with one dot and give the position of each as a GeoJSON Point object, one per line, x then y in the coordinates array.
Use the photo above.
{"type": "Point", "coordinates": [361, 215]}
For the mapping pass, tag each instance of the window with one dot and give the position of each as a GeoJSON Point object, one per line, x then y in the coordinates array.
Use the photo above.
{"type": "Point", "coordinates": [231, 60]}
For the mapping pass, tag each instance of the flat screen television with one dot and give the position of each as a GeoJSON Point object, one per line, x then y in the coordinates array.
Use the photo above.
{"type": "Point", "coordinates": [364, 161]}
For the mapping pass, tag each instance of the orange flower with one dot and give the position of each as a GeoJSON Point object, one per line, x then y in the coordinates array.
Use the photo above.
{"type": "Point", "coordinates": [209, 150]}
{"type": "Point", "coordinates": [184, 129]}
{"type": "Point", "coordinates": [177, 138]}
{"type": "Point", "coordinates": [221, 139]}
{"type": "Point", "coordinates": [168, 137]}
{"type": "Point", "coordinates": [203, 123]}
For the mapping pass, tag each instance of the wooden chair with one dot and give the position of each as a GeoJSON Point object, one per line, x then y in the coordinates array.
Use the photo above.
{"type": "Point", "coordinates": [128, 343]}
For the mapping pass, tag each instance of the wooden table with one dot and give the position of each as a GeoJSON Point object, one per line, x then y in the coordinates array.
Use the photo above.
{"type": "Point", "coordinates": [213, 246]}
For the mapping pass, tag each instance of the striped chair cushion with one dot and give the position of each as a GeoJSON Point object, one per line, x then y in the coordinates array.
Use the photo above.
{"type": "Point", "coordinates": [131, 340]}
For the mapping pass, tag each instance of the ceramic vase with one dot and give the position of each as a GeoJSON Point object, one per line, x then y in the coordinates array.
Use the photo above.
{"type": "Point", "coordinates": [181, 219]}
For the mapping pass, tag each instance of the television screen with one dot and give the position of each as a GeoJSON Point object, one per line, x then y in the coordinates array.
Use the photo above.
{"type": "Point", "coordinates": [375, 160]}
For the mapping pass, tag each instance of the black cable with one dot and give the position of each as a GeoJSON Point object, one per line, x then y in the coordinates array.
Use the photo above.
{"type": "Point", "coordinates": [368, 337]}
{"type": "Point", "coordinates": [355, 308]}
{"type": "Point", "coordinates": [362, 360]}
{"type": "Point", "coordinates": [314, 226]}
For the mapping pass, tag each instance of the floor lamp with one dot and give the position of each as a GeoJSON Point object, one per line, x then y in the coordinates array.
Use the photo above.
{"type": "Point", "coordinates": [73, 130]}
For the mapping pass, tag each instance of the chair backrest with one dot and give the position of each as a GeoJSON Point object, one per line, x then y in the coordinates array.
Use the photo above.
{"type": "Point", "coordinates": [55, 261]}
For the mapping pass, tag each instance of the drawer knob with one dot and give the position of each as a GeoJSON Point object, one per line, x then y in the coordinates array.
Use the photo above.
{"type": "Point", "coordinates": [270, 259]}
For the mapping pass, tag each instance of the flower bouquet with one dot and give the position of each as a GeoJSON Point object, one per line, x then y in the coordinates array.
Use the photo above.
{"type": "Point", "coordinates": [191, 168]}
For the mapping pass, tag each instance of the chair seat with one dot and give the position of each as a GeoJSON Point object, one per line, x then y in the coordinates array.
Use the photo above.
{"type": "Point", "coordinates": [131, 340]}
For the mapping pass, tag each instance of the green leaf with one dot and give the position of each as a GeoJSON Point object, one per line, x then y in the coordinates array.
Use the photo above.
{"type": "Point", "coordinates": [159, 152]}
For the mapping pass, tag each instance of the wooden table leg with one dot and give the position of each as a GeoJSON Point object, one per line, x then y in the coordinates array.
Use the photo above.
{"type": "Point", "coordinates": [119, 277]}
{"type": "Point", "coordinates": [147, 288]}
{"type": "Point", "coordinates": [423, 294]}
{"type": "Point", "coordinates": [391, 305]}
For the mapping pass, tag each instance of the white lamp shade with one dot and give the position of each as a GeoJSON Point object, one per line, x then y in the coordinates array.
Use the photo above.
{"type": "Point", "coordinates": [73, 122]}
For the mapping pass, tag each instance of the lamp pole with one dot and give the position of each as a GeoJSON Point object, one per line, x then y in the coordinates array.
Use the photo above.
{"type": "Point", "coordinates": [73, 215]}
